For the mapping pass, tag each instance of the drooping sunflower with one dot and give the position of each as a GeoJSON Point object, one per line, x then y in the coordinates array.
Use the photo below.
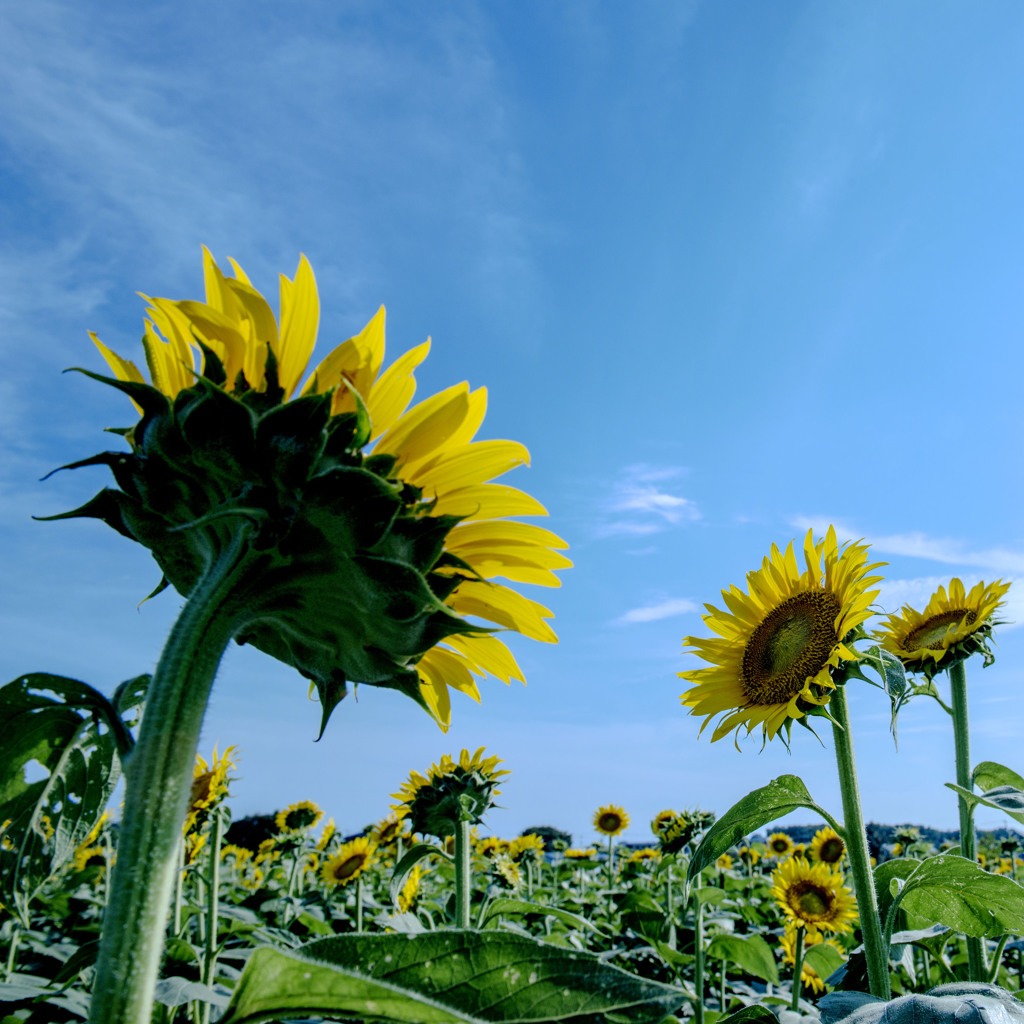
{"type": "Point", "coordinates": [661, 821]}
{"type": "Point", "coordinates": [777, 643]}
{"type": "Point", "coordinates": [325, 836]}
{"type": "Point", "coordinates": [349, 862]}
{"type": "Point", "coordinates": [827, 846]}
{"type": "Point", "coordinates": [451, 791]}
{"type": "Point", "coordinates": [374, 529]}
{"type": "Point", "coordinates": [953, 626]}
{"type": "Point", "coordinates": [779, 845]}
{"type": "Point", "coordinates": [611, 820]}
{"type": "Point", "coordinates": [209, 785]}
{"type": "Point", "coordinates": [809, 977]}
{"type": "Point", "coordinates": [813, 896]}
{"type": "Point", "coordinates": [684, 828]}
{"type": "Point", "coordinates": [298, 818]}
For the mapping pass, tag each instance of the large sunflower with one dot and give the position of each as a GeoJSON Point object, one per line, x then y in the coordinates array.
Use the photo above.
{"type": "Point", "coordinates": [382, 527]}
{"type": "Point", "coordinates": [780, 640]}
{"type": "Point", "coordinates": [813, 896]}
{"type": "Point", "coordinates": [953, 625]}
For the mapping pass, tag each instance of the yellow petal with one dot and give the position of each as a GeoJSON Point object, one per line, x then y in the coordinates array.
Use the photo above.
{"type": "Point", "coordinates": [354, 362]}
{"type": "Point", "coordinates": [504, 606]}
{"type": "Point", "coordinates": [504, 531]}
{"type": "Point", "coordinates": [427, 428]}
{"type": "Point", "coordinates": [488, 654]}
{"type": "Point", "coordinates": [392, 393]}
{"type": "Point", "coordinates": [453, 669]}
{"type": "Point", "coordinates": [488, 501]}
{"type": "Point", "coordinates": [474, 463]}
{"type": "Point", "coordinates": [124, 369]}
{"type": "Point", "coordinates": [300, 318]}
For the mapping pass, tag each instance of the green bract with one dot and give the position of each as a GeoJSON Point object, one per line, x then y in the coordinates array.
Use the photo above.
{"type": "Point", "coordinates": [341, 578]}
{"type": "Point", "coordinates": [463, 795]}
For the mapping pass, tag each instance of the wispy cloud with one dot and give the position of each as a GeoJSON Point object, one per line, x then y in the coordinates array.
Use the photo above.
{"type": "Point", "coordinates": [920, 545]}
{"type": "Point", "coordinates": [653, 612]}
{"type": "Point", "coordinates": [643, 501]}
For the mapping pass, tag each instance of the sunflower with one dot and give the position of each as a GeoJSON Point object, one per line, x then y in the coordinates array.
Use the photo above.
{"type": "Point", "coordinates": [387, 831]}
{"type": "Point", "coordinates": [952, 627]}
{"type": "Point", "coordinates": [450, 792]}
{"type": "Point", "coordinates": [809, 977]}
{"type": "Point", "coordinates": [492, 847]}
{"type": "Point", "coordinates": [297, 819]}
{"type": "Point", "coordinates": [827, 846]}
{"type": "Point", "coordinates": [611, 820]}
{"type": "Point", "coordinates": [661, 821]}
{"type": "Point", "coordinates": [325, 836]}
{"type": "Point", "coordinates": [813, 896]}
{"type": "Point", "coordinates": [349, 862]}
{"type": "Point", "coordinates": [750, 855]}
{"type": "Point", "coordinates": [724, 862]}
{"type": "Point", "coordinates": [777, 644]}
{"type": "Point", "coordinates": [209, 785]}
{"type": "Point", "coordinates": [90, 857]}
{"type": "Point", "coordinates": [684, 827]}
{"type": "Point", "coordinates": [411, 890]}
{"type": "Point", "coordinates": [353, 492]}
{"type": "Point", "coordinates": [643, 855]}
{"type": "Point", "coordinates": [779, 845]}
{"type": "Point", "coordinates": [587, 854]}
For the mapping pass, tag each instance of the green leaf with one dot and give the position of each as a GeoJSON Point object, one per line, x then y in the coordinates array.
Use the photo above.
{"type": "Point", "coordinates": [961, 894]}
{"type": "Point", "coordinates": [518, 908]}
{"type": "Point", "coordinates": [755, 1014]}
{"type": "Point", "coordinates": [407, 863]}
{"type": "Point", "coordinates": [823, 959]}
{"type": "Point", "coordinates": [70, 733]}
{"type": "Point", "coordinates": [884, 873]}
{"type": "Point", "coordinates": [988, 775]}
{"type": "Point", "coordinates": [641, 912]}
{"type": "Point", "coordinates": [1007, 799]}
{"type": "Point", "coordinates": [781, 796]}
{"type": "Point", "coordinates": [749, 952]}
{"type": "Point", "coordinates": [450, 977]}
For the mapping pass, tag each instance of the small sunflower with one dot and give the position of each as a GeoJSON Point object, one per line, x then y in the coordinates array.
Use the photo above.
{"type": "Point", "coordinates": [297, 819]}
{"type": "Point", "coordinates": [450, 792]}
{"type": "Point", "coordinates": [953, 626]}
{"type": "Point", "coordinates": [809, 977]}
{"type": "Point", "coordinates": [239, 856]}
{"type": "Point", "coordinates": [90, 857]}
{"type": "Point", "coordinates": [576, 854]}
{"type": "Point", "coordinates": [661, 821]}
{"type": "Point", "coordinates": [777, 644]}
{"type": "Point", "coordinates": [492, 847]}
{"type": "Point", "coordinates": [643, 855]}
{"type": "Point", "coordinates": [827, 846]}
{"type": "Point", "coordinates": [611, 820]}
{"type": "Point", "coordinates": [349, 862]}
{"type": "Point", "coordinates": [779, 845]}
{"type": "Point", "coordinates": [325, 836]}
{"type": "Point", "coordinates": [684, 827]}
{"type": "Point", "coordinates": [724, 862]}
{"type": "Point", "coordinates": [209, 785]}
{"type": "Point", "coordinates": [411, 890]}
{"type": "Point", "coordinates": [528, 848]}
{"type": "Point", "coordinates": [505, 874]}
{"type": "Point", "coordinates": [813, 896]}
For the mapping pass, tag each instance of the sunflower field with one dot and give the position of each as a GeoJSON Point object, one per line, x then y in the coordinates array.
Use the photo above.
{"type": "Point", "coordinates": [356, 537]}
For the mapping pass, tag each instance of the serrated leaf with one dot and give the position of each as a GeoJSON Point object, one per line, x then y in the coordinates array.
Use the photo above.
{"type": "Point", "coordinates": [961, 894]}
{"type": "Point", "coordinates": [749, 952]}
{"type": "Point", "coordinates": [450, 977]}
{"type": "Point", "coordinates": [781, 796]}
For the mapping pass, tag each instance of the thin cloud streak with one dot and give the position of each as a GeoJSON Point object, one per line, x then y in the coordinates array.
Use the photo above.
{"type": "Point", "coordinates": [655, 612]}
{"type": "Point", "coordinates": [640, 504]}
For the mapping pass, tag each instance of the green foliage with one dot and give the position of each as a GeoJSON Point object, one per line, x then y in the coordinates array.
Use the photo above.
{"type": "Point", "coordinates": [443, 978]}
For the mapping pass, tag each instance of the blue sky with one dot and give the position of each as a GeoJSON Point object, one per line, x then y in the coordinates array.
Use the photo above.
{"type": "Point", "coordinates": [728, 269]}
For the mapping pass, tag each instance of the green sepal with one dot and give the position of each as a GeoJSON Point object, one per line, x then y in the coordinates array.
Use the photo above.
{"type": "Point", "coordinates": [152, 401]}
{"type": "Point", "coordinates": [105, 506]}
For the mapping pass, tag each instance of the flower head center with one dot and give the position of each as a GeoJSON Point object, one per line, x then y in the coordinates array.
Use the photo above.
{"type": "Point", "coordinates": [813, 902]}
{"type": "Point", "coordinates": [609, 823]}
{"type": "Point", "coordinates": [792, 643]}
{"type": "Point", "coordinates": [931, 632]}
{"type": "Point", "coordinates": [349, 866]}
{"type": "Point", "coordinates": [831, 850]}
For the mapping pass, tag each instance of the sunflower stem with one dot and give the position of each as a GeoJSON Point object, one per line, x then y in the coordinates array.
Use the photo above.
{"type": "Point", "coordinates": [359, 903]}
{"type": "Point", "coordinates": [12, 952]}
{"type": "Point", "coordinates": [798, 969]}
{"type": "Point", "coordinates": [968, 841]}
{"type": "Point", "coordinates": [875, 950]}
{"type": "Point", "coordinates": [611, 866]}
{"type": "Point", "coordinates": [462, 875]}
{"type": "Point", "coordinates": [210, 959]}
{"type": "Point", "coordinates": [698, 957]}
{"type": "Point", "coordinates": [159, 781]}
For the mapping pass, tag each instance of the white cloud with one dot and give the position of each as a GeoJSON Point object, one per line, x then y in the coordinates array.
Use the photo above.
{"type": "Point", "coordinates": [641, 503]}
{"type": "Point", "coordinates": [920, 545]}
{"type": "Point", "coordinates": [653, 612]}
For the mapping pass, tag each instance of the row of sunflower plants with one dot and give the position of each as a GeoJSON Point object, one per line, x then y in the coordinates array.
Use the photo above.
{"type": "Point", "coordinates": [358, 539]}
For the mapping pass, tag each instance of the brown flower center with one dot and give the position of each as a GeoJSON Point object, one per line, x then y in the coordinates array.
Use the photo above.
{"type": "Point", "coordinates": [930, 633]}
{"type": "Point", "coordinates": [812, 901]}
{"type": "Point", "coordinates": [609, 823]}
{"type": "Point", "coordinates": [831, 850]}
{"type": "Point", "coordinates": [348, 867]}
{"type": "Point", "coordinates": [792, 643]}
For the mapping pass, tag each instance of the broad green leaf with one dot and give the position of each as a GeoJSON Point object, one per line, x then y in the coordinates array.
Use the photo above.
{"type": "Point", "coordinates": [641, 912]}
{"type": "Point", "coordinates": [51, 725]}
{"type": "Point", "coordinates": [884, 873]}
{"type": "Point", "coordinates": [755, 1014]}
{"type": "Point", "coordinates": [176, 991]}
{"type": "Point", "coordinates": [710, 896]}
{"type": "Point", "coordinates": [450, 977]}
{"type": "Point", "coordinates": [961, 894]}
{"type": "Point", "coordinates": [781, 796]}
{"type": "Point", "coordinates": [988, 775]}
{"type": "Point", "coordinates": [1007, 799]}
{"type": "Point", "coordinates": [518, 908]}
{"type": "Point", "coordinates": [823, 959]}
{"type": "Point", "coordinates": [749, 952]}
